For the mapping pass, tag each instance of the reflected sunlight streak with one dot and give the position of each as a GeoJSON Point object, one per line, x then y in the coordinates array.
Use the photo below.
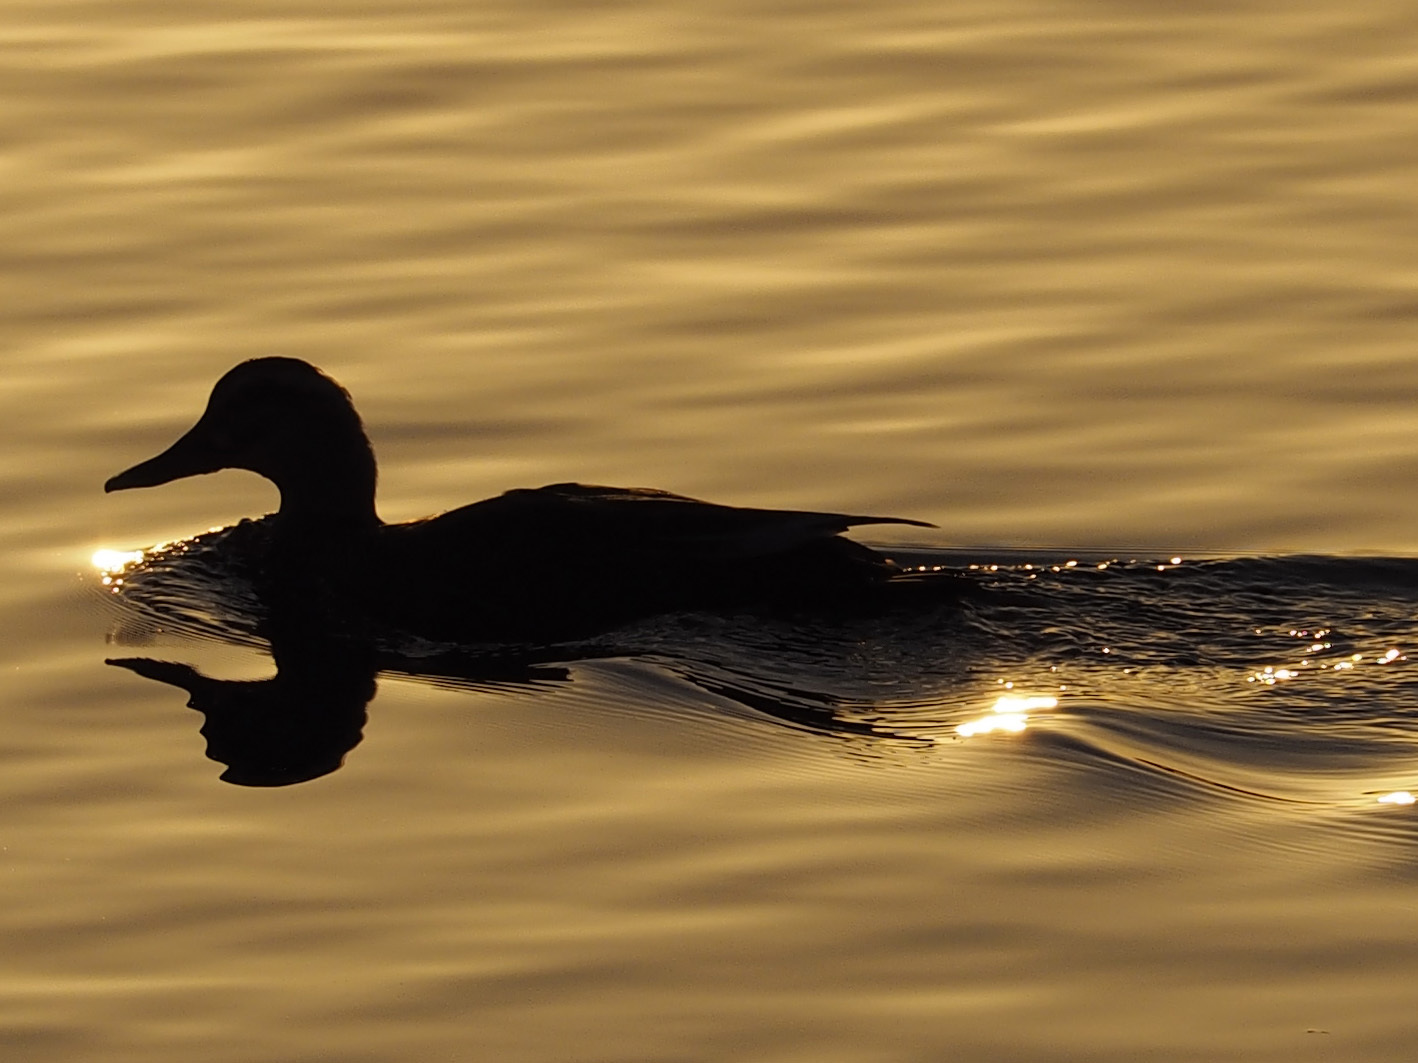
{"type": "Point", "coordinates": [1010, 713]}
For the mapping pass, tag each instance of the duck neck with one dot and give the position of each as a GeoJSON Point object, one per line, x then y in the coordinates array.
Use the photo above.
{"type": "Point", "coordinates": [330, 494]}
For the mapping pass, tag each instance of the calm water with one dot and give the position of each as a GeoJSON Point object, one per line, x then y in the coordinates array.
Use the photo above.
{"type": "Point", "coordinates": [1114, 285]}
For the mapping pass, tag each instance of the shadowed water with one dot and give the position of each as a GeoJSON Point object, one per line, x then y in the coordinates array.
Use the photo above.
{"type": "Point", "coordinates": [1246, 677]}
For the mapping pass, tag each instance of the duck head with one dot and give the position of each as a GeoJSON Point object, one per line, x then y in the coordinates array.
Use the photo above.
{"type": "Point", "coordinates": [283, 419]}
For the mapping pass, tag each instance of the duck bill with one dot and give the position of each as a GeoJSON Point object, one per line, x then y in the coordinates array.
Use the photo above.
{"type": "Point", "coordinates": [192, 455]}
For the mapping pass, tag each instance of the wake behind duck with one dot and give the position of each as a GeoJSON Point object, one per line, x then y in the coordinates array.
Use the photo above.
{"type": "Point", "coordinates": [541, 564]}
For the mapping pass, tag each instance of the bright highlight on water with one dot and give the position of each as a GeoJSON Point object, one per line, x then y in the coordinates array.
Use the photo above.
{"type": "Point", "coordinates": [1010, 713]}
{"type": "Point", "coordinates": [112, 562]}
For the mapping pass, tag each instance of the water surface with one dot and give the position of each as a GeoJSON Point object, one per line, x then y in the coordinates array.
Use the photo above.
{"type": "Point", "coordinates": [1103, 284]}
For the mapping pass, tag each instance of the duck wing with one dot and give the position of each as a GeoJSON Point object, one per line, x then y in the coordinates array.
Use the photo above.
{"type": "Point", "coordinates": [568, 559]}
{"type": "Point", "coordinates": [644, 521]}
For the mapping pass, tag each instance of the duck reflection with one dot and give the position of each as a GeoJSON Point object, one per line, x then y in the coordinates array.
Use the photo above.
{"type": "Point", "coordinates": [292, 728]}
{"type": "Point", "coordinates": [301, 723]}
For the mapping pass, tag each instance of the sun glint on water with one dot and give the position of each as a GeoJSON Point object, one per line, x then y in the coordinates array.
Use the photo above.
{"type": "Point", "coordinates": [1010, 713]}
{"type": "Point", "coordinates": [113, 563]}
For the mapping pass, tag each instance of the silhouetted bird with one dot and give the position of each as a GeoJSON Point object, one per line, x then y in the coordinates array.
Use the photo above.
{"type": "Point", "coordinates": [540, 564]}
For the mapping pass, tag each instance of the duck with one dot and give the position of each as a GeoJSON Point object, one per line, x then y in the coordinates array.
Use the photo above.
{"type": "Point", "coordinates": [562, 561]}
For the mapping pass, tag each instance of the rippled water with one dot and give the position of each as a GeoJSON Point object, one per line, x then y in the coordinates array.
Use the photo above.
{"type": "Point", "coordinates": [1122, 298]}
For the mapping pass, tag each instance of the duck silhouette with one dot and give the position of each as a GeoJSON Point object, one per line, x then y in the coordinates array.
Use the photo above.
{"type": "Point", "coordinates": [541, 564]}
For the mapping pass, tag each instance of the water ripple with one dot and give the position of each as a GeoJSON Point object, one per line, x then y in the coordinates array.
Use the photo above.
{"type": "Point", "coordinates": [1272, 680]}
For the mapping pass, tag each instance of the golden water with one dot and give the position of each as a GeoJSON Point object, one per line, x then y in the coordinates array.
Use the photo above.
{"type": "Point", "coordinates": [1084, 275]}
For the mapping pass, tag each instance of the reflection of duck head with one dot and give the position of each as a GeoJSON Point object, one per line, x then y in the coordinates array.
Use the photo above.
{"type": "Point", "coordinates": [301, 722]}
{"type": "Point", "coordinates": [291, 728]}
{"type": "Point", "coordinates": [546, 563]}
